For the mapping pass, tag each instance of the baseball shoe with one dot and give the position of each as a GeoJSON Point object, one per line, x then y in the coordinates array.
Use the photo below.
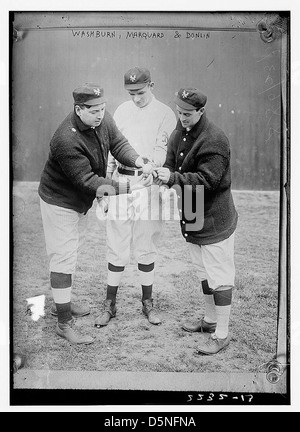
{"type": "Point", "coordinates": [150, 313]}
{"type": "Point", "coordinates": [212, 345]}
{"type": "Point", "coordinates": [110, 311]}
{"type": "Point", "coordinates": [66, 331]}
{"type": "Point", "coordinates": [76, 310]}
{"type": "Point", "coordinates": [201, 326]}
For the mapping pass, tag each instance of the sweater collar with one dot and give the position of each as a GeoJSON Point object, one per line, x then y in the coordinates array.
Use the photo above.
{"type": "Point", "coordinates": [196, 129]}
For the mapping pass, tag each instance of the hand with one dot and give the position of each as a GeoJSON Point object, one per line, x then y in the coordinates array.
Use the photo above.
{"type": "Point", "coordinates": [139, 163]}
{"type": "Point", "coordinates": [163, 174]}
{"type": "Point", "coordinates": [147, 180]}
{"type": "Point", "coordinates": [156, 180]}
{"type": "Point", "coordinates": [143, 161]}
{"type": "Point", "coordinates": [148, 169]}
{"type": "Point", "coordinates": [142, 183]}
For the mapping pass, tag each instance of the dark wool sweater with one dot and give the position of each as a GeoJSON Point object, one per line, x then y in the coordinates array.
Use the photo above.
{"type": "Point", "coordinates": [202, 157]}
{"type": "Point", "coordinates": [77, 162]}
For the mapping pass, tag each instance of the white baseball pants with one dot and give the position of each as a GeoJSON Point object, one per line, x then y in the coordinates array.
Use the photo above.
{"type": "Point", "coordinates": [64, 231]}
{"type": "Point", "coordinates": [215, 262]}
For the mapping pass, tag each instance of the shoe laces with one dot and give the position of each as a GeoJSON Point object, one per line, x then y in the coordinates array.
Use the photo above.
{"type": "Point", "coordinates": [212, 340]}
{"type": "Point", "coordinates": [148, 305]}
{"type": "Point", "coordinates": [69, 323]}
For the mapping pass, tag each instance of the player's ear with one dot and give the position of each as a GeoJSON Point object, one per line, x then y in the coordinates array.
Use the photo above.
{"type": "Point", "coordinates": [77, 109]}
{"type": "Point", "coordinates": [151, 85]}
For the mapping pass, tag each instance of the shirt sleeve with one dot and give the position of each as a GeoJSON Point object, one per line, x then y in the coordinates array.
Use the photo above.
{"type": "Point", "coordinates": [166, 128]}
{"type": "Point", "coordinates": [119, 146]}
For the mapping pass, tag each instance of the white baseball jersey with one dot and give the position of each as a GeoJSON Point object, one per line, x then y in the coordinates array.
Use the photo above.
{"type": "Point", "coordinates": [147, 129]}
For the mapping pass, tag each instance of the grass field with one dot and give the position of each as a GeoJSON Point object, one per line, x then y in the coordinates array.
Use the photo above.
{"type": "Point", "coordinates": [129, 342]}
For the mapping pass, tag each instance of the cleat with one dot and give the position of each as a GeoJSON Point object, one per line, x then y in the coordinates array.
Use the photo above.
{"type": "Point", "coordinates": [212, 345]}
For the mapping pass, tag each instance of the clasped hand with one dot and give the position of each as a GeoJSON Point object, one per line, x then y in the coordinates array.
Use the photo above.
{"type": "Point", "coordinates": [142, 182]}
{"type": "Point", "coordinates": [155, 175]}
{"type": "Point", "coordinates": [162, 175]}
{"type": "Point", "coordinates": [151, 175]}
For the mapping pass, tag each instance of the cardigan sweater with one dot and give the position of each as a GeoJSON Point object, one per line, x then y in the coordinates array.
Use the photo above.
{"type": "Point", "coordinates": [201, 156]}
{"type": "Point", "coordinates": [77, 162]}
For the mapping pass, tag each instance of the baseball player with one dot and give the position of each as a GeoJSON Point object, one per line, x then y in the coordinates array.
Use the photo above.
{"type": "Point", "coordinates": [74, 173]}
{"type": "Point", "coordinates": [199, 155]}
{"type": "Point", "coordinates": [147, 124]}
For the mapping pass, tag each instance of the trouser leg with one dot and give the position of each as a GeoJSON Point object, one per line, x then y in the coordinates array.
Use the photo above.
{"type": "Point", "coordinates": [216, 271]}
{"type": "Point", "coordinates": [62, 242]}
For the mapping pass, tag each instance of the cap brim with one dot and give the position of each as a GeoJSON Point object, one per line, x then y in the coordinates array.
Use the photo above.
{"type": "Point", "coordinates": [93, 102]}
{"type": "Point", "coordinates": [184, 105]}
{"type": "Point", "coordinates": [135, 86]}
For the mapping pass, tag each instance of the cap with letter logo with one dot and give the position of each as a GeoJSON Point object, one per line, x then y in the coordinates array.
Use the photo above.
{"type": "Point", "coordinates": [136, 78]}
{"type": "Point", "coordinates": [89, 94]}
{"type": "Point", "coordinates": [190, 98]}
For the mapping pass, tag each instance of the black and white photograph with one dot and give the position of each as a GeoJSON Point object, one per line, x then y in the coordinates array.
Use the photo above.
{"type": "Point", "coordinates": [149, 208]}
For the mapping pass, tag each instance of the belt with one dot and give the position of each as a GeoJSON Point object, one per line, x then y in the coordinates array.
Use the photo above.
{"type": "Point", "coordinates": [129, 172]}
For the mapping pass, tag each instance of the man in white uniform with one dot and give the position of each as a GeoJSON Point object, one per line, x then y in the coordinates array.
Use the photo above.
{"type": "Point", "coordinates": [147, 124]}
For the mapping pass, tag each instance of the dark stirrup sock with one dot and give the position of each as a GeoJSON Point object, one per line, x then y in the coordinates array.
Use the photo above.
{"type": "Point", "coordinates": [146, 272]}
{"type": "Point", "coordinates": [205, 288]}
{"type": "Point", "coordinates": [223, 297]}
{"type": "Point", "coordinates": [146, 292]}
{"type": "Point", "coordinates": [111, 293]}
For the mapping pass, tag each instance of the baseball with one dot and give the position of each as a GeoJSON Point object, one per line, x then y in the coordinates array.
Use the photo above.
{"type": "Point", "coordinates": [18, 361]}
{"type": "Point", "coordinates": [147, 169]}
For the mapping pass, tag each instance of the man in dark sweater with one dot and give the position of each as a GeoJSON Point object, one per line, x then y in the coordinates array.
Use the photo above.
{"type": "Point", "coordinates": [198, 162]}
{"type": "Point", "coordinates": [73, 176]}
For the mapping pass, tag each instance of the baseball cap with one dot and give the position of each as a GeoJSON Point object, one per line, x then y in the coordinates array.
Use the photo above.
{"type": "Point", "coordinates": [190, 98]}
{"type": "Point", "coordinates": [89, 94]}
{"type": "Point", "coordinates": [136, 78]}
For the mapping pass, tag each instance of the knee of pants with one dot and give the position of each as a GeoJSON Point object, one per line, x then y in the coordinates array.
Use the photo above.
{"type": "Point", "coordinates": [63, 263]}
{"type": "Point", "coordinates": [145, 257]}
{"type": "Point", "coordinates": [145, 247]}
{"type": "Point", "coordinates": [118, 257]}
{"type": "Point", "coordinates": [118, 241]}
{"type": "Point", "coordinates": [201, 274]}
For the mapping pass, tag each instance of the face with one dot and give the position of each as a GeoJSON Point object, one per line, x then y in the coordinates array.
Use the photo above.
{"type": "Point", "coordinates": [143, 96]}
{"type": "Point", "coordinates": [91, 116]}
{"type": "Point", "coordinates": [189, 118]}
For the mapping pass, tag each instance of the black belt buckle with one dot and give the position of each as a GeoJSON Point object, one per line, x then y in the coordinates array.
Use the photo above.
{"type": "Point", "coordinates": [129, 172]}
